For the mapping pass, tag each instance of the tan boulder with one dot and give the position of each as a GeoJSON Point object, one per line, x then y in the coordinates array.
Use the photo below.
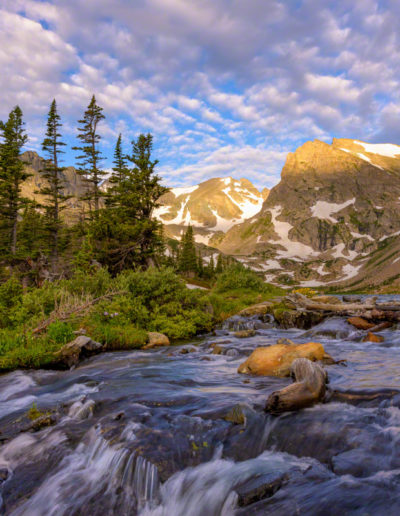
{"type": "Point", "coordinates": [70, 354]}
{"type": "Point", "coordinates": [330, 300]}
{"type": "Point", "coordinates": [276, 360]}
{"type": "Point", "coordinates": [156, 339]}
{"type": "Point", "coordinates": [360, 323]}
{"type": "Point", "coordinates": [371, 337]}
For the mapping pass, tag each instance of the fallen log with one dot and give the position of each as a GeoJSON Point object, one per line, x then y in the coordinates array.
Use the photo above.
{"type": "Point", "coordinates": [56, 316]}
{"type": "Point", "coordinates": [309, 388]}
{"type": "Point", "coordinates": [368, 310]}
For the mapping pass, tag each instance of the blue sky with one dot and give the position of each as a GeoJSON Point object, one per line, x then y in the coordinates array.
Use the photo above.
{"type": "Point", "coordinates": [227, 87]}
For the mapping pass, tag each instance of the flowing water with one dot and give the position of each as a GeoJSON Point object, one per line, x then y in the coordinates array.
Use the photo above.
{"type": "Point", "coordinates": [154, 433]}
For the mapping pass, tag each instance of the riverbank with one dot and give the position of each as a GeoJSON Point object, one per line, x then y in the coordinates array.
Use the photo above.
{"type": "Point", "coordinates": [118, 313]}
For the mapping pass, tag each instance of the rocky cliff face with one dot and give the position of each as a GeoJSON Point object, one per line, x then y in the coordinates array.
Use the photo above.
{"type": "Point", "coordinates": [212, 207]}
{"type": "Point", "coordinates": [72, 182]}
{"type": "Point", "coordinates": [335, 203]}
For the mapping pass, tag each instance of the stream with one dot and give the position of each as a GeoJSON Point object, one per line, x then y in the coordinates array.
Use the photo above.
{"type": "Point", "coordinates": [178, 432]}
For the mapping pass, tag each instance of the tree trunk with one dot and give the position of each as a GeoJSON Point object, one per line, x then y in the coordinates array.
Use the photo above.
{"type": "Point", "coordinates": [309, 388]}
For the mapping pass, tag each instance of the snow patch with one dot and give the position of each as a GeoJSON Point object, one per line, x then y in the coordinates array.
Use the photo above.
{"type": "Point", "coordinates": [337, 252]}
{"type": "Point", "coordinates": [293, 248]}
{"type": "Point", "coordinates": [323, 210]}
{"type": "Point", "coordinates": [359, 235]}
{"type": "Point", "coordinates": [202, 239]}
{"type": "Point", "coordinates": [383, 149]}
{"type": "Point", "coordinates": [184, 190]}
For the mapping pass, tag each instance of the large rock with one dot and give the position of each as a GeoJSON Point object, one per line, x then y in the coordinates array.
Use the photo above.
{"type": "Point", "coordinates": [302, 319]}
{"type": "Point", "coordinates": [156, 340]}
{"type": "Point", "coordinates": [371, 337]}
{"type": "Point", "coordinates": [360, 323]}
{"type": "Point", "coordinates": [276, 360]}
{"type": "Point", "coordinates": [70, 354]}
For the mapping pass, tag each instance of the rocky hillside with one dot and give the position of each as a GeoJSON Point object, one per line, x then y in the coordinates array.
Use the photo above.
{"type": "Point", "coordinates": [334, 206]}
{"type": "Point", "coordinates": [212, 207]}
{"type": "Point", "coordinates": [73, 184]}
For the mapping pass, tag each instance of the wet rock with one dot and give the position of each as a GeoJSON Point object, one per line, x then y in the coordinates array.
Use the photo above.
{"type": "Point", "coordinates": [187, 349]}
{"type": "Point", "coordinates": [334, 328]}
{"type": "Point", "coordinates": [276, 360]}
{"type": "Point", "coordinates": [371, 337]}
{"type": "Point", "coordinates": [232, 352]}
{"type": "Point", "coordinates": [42, 422]}
{"type": "Point", "coordinates": [236, 415]}
{"type": "Point", "coordinates": [156, 339]}
{"type": "Point", "coordinates": [217, 350]}
{"type": "Point", "coordinates": [351, 299]}
{"type": "Point", "coordinates": [259, 488]}
{"type": "Point", "coordinates": [243, 334]}
{"type": "Point", "coordinates": [70, 354]}
{"type": "Point", "coordinates": [382, 326]}
{"type": "Point", "coordinates": [302, 319]}
{"type": "Point", "coordinates": [3, 475]}
{"type": "Point", "coordinates": [288, 342]}
{"type": "Point", "coordinates": [360, 323]}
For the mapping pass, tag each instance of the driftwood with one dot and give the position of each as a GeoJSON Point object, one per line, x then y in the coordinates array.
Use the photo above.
{"type": "Point", "coordinates": [74, 311]}
{"type": "Point", "coordinates": [368, 310]}
{"type": "Point", "coordinates": [309, 388]}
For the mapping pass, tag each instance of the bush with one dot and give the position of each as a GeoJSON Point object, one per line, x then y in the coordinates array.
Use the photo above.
{"type": "Point", "coordinates": [60, 332]}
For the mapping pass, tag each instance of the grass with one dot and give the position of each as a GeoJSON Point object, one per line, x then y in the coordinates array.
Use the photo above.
{"type": "Point", "coordinates": [117, 312]}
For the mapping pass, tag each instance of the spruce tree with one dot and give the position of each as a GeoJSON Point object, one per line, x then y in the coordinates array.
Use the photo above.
{"type": "Point", "coordinates": [220, 266]}
{"type": "Point", "coordinates": [53, 191]}
{"type": "Point", "coordinates": [128, 232]}
{"type": "Point", "coordinates": [188, 259]}
{"type": "Point", "coordinates": [90, 157]}
{"type": "Point", "coordinates": [12, 175]}
{"type": "Point", "coordinates": [200, 265]}
{"type": "Point", "coordinates": [120, 171]}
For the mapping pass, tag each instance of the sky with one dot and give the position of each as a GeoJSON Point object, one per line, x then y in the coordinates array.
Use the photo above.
{"type": "Point", "coordinates": [226, 87]}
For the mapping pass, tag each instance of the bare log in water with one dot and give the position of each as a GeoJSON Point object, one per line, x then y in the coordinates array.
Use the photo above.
{"type": "Point", "coordinates": [368, 310]}
{"type": "Point", "coordinates": [309, 388]}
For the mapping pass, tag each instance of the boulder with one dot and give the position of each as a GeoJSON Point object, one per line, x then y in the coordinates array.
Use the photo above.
{"type": "Point", "coordinates": [259, 487]}
{"type": "Point", "coordinates": [371, 337]}
{"type": "Point", "coordinates": [243, 334]}
{"type": "Point", "coordinates": [360, 323]}
{"type": "Point", "coordinates": [351, 299]}
{"type": "Point", "coordinates": [303, 319]}
{"type": "Point", "coordinates": [70, 354]}
{"type": "Point", "coordinates": [258, 309]}
{"type": "Point", "coordinates": [330, 300]}
{"type": "Point", "coordinates": [156, 339]}
{"type": "Point", "coordinates": [277, 360]}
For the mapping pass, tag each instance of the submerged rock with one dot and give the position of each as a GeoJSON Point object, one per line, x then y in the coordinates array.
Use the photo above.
{"type": "Point", "coordinates": [371, 337]}
{"type": "Point", "coordinates": [156, 339]}
{"type": "Point", "coordinates": [276, 360]}
{"type": "Point", "coordinates": [243, 334]}
{"type": "Point", "coordinates": [259, 488]}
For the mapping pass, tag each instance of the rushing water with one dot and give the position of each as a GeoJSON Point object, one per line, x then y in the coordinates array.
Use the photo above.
{"type": "Point", "coordinates": [146, 433]}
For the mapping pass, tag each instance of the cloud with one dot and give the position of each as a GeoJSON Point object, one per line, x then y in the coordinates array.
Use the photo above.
{"type": "Point", "coordinates": [226, 87]}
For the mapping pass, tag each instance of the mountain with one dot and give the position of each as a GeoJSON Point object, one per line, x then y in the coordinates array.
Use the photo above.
{"type": "Point", "coordinates": [73, 184]}
{"type": "Point", "coordinates": [335, 204]}
{"type": "Point", "coordinates": [211, 207]}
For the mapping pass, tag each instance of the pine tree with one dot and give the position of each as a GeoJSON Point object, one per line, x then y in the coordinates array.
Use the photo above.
{"type": "Point", "coordinates": [12, 175]}
{"type": "Point", "coordinates": [56, 199]}
{"type": "Point", "coordinates": [90, 154]}
{"type": "Point", "coordinates": [188, 259]}
{"type": "Point", "coordinates": [120, 171]}
{"type": "Point", "coordinates": [200, 265]}
{"type": "Point", "coordinates": [129, 234]}
{"type": "Point", "coordinates": [220, 266]}
{"type": "Point", "coordinates": [211, 267]}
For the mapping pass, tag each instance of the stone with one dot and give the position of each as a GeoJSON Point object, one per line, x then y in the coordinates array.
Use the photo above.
{"type": "Point", "coordinates": [351, 299]}
{"type": "Point", "coordinates": [259, 487]}
{"type": "Point", "coordinates": [302, 319]}
{"type": "Point", "coordinates": [371, 337]}
{"type": "Point", "coordinates": [3, 475]}
{"type": "Point", "coordinates": [258, 309]}
{"type": "Point", "coordinates": [277, 360]}
{"type": "Point", "coordinates": [217, 350]}
{"type": "Point", "coordinates": [236, 416]}
{"type": "Point", "coordinates": [156, 339]}
{"type": "Point", "coordinates": [81, 347]}
{"type": "Point", "coordinates": [330, 300]}
{"type": "Point", "coordinates": [360, 323]}
{"type": "Point", "coordinates": [243, 334]}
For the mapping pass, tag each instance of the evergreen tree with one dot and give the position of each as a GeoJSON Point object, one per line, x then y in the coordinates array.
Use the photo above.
{"type": "Point", "coordinates": [220, 265]}
{"type": "Point", "coordinates": [200, 265]}
{"type": "Point", "coordinates": [32, 232]}
{"type": "Point", "coordinates": [120, 171]}
{"type": "Point", "coordinates": [130, 235]}
{"type": "Point", "coordinates": [56, 199]}
{"type": "Point", "coordinates": [12, 175]}
{"type": "Point", "coordinates": [211, 267]}
{"type": "Point", "coordinates": [188, 263]}
{"type": "Point", "coordinates": [90, 154]}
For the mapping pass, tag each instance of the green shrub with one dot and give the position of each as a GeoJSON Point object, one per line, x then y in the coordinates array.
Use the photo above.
{"type": "Point", "coordinates": [60, 332]}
